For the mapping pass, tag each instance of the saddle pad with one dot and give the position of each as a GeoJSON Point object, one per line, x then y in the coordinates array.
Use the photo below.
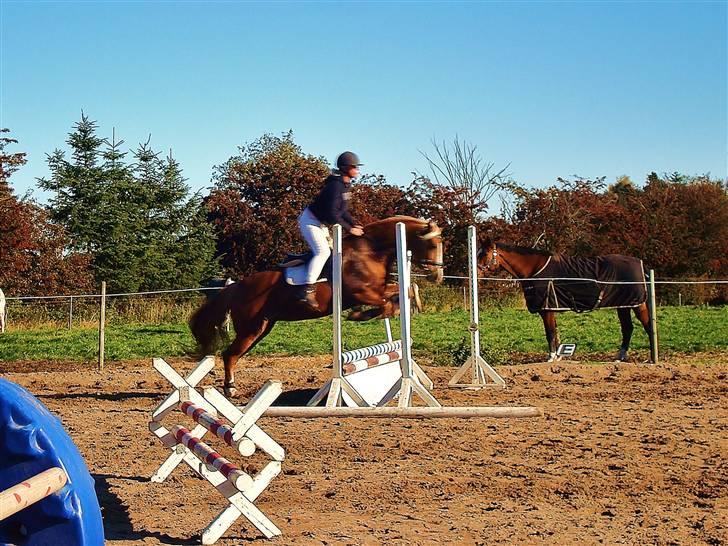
{"type": "Point", "coordinates": [296, 275]}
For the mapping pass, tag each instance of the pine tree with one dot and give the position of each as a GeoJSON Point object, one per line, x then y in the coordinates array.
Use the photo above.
{"type": "Point", "coordinates": [9, 163]}
{"type": "Point", "coordinates": [135, 219]}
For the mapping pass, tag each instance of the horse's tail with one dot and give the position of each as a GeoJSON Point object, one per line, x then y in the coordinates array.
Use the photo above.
{"type": "Point", "coordinates": [206, 322]}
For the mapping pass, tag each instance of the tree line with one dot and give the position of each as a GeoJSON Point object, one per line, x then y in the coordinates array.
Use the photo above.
{"type": "Point", "coordinates": [129, 217]}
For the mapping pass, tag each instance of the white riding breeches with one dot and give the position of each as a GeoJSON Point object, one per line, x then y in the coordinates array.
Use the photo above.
{"type": "Point", "coordinates": [316, 235]}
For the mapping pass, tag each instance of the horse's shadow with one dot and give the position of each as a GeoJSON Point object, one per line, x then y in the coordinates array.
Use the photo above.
{"type": "Point", "coordinates": [108, 396]}
{"type": "Point", "coordinates": [298, 397]}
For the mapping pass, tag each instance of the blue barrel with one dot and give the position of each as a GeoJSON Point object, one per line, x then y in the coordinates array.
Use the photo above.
{"type": "Point", "coordinates": [33, 440]}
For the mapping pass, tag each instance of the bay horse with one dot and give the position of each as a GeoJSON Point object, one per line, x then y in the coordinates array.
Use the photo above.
{"type": "Point", "coordinates": [595, 285]}
{"type": "Point", "coordinates": [258, 301]}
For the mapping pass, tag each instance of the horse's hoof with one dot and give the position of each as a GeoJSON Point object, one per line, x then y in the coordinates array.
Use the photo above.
{"type": "Point", "coordinates": [230, 391]}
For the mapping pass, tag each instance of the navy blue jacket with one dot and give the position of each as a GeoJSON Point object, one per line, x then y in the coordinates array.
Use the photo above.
{"type": "Point", "coordinates": [331, 205]}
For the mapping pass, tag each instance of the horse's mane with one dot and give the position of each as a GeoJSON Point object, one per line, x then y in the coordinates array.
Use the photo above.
{"type": "Point", "coordinates": [383, 230]}
{"type": "Point", "coordinates": [393, 220]}
{"type": "Point", "coordinates": [523, 251]}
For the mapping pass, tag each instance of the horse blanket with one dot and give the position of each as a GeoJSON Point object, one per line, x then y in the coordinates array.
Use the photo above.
{"type": "Point", "coordinates": [590, 288]}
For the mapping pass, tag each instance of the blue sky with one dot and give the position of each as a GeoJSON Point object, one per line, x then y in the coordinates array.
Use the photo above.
{"type": "Point", "coordinates": [553, 88]}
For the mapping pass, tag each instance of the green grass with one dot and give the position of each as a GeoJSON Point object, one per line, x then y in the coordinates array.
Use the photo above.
{"type": "Point", "coordinates": [439, 338]}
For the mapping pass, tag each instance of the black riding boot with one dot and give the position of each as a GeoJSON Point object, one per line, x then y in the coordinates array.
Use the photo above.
{"type": "Point", "coordinates": [307, 295]}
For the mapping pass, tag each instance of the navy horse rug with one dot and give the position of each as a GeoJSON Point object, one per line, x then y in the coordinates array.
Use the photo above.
{"type": "Point", "coordinates": [576, 291]}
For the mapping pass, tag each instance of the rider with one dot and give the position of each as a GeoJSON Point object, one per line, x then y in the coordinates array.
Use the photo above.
{"type": "Point", "coordinates": [329, 207]}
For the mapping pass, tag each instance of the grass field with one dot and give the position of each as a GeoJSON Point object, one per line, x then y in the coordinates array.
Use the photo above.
{"type": "Point", "coordinates": [439, 338]}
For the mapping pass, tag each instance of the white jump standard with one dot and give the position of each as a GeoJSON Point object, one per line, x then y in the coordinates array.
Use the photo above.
{"type": "Point", "coordinates": [240, 488]}
{"type": "Point", "coordinates": [476, 364]}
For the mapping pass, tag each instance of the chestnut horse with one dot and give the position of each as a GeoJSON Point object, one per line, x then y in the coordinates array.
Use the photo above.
{"type": "Point", "coordinates": [578, 292]}
{"type": "Point", "coordinates": [258, 301]}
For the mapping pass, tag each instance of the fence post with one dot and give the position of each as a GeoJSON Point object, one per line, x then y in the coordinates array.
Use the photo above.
{"type": "Point", "coordinates": [102, 320]}
{"type": "Point", "coordinates": [70, 313]}
{"type": "Point", "coordinates": [652, 304]}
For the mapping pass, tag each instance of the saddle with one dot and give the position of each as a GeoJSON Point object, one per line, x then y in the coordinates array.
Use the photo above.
{"type": "Point", "coordinates": [292, 260]}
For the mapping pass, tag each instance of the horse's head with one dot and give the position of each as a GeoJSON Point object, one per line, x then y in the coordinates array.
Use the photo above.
{"type": "Point", "coordinates": [488, 257]}
{"type": "Point", "coordinates": [424, 240]}
{"type": "Point", "coordinates": [426, 249]}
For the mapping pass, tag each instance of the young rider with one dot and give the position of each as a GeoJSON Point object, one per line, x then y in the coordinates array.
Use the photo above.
{"type": "Point", "coordinates": [329, 207]}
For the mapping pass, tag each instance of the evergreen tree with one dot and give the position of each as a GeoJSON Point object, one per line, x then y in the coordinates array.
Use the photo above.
{"type": "Point", "coordinates": [9, 163]}
{"type": "Point", "coordinates": [136, 220]}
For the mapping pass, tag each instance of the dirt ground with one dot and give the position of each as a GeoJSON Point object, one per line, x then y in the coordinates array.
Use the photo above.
{"type": "Point", "coordinates": [625, 454]}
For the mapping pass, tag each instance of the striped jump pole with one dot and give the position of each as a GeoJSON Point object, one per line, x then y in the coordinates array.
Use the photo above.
{"type": "Point", "coordinates": [206, 454]}
{"type": "Point", "coordinates": [375, 360]}
{"type": "Point", "coordinates": [244, 445]}
{"type": "Point", "coordinates": [366, 352]}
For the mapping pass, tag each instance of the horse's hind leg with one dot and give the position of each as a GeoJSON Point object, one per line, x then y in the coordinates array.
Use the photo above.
{"type": "Point", "coordinates": [643, 315]}
{"type": "Point", "coordinates": [245, 340]}
{"type": "Point", "coordinates": [625, 321]}
{"type": "Point", "coordinates": [552, 333]}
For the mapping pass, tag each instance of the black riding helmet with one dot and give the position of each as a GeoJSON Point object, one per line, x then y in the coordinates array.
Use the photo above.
{"type": "Point", "coordinates": [347, 159]}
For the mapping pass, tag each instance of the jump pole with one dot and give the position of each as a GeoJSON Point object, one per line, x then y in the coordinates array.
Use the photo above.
{"type": "Point", "coordinates": [480, 369]}
{"type": "Point", "coordinates": [303, 412]}
{"type": "Point", "coordinates": [30, 491]}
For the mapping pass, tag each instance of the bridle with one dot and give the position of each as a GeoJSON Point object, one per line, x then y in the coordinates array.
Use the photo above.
{"type": "Point", "coordinates": [492, 262]}
{"type": "Point", "coordinates": [497, 260]}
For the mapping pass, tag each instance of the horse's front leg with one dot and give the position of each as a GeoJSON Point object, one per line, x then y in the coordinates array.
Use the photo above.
{"type": "Point", "coordinates": [552, 333]}
{"type": "Point", "coordinates": [382, 301]}
{"type": "Point", "coordinates": [643, 315]}
{"type": "Point", "coordinates": [625, 321]}
{"type": "Point", "coordinates": [391, 292]}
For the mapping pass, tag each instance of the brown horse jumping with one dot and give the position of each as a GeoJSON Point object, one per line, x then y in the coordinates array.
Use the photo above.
{"type": "Point", "coordinates": [577, 292]}
{"type": "Point", "coordinates": [258, 301]}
